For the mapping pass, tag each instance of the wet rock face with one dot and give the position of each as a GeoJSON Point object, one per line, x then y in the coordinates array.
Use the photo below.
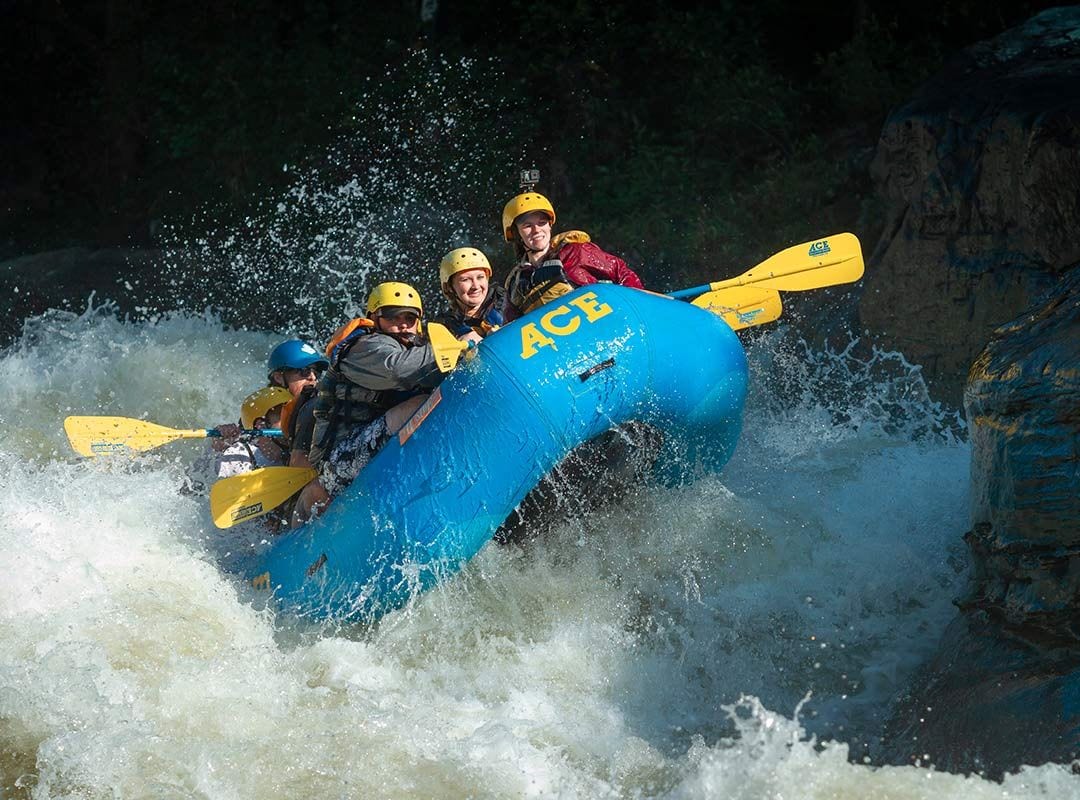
{"type": "Point", "coordinates": [981, 178]}
{"type": "Point", "coordinates": [1023, 409]}
{"type": "Point", "coordinates": [988, 704]}
{"type": "Point", "coordinates": [1004, 687]}
{"type": "Point", "coordinates": [982, 173]}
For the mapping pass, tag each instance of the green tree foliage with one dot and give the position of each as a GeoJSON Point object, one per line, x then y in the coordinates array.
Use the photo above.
{"type": "Point", "coordinates": [685, 135]}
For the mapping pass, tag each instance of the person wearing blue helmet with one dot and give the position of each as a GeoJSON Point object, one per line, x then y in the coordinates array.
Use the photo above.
{"type": "Point", "coordinates": [294, 364]}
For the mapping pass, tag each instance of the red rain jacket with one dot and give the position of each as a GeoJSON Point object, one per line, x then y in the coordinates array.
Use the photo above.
{"type": "Point", "coordinates": [584, 262]}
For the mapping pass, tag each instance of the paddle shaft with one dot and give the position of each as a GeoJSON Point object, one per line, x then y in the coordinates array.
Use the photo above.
{"type": "Point", "coordinates": [747, 279]}
{"type": "Point", "coordinates": [782, 270]}
{"type": "Point", "coordinates": [247, 434]}
{"type": "Point", "coordinates": [693, 291]}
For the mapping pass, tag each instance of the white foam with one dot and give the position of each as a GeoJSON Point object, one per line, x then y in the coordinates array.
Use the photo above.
{"type": "Point", "coordinates": [607, 659]}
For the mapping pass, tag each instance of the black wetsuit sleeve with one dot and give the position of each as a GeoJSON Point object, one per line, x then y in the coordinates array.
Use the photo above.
{"type": "Point", "coordinates": [305, 427]}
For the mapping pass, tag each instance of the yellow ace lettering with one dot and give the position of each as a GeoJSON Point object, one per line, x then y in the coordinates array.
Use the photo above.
{"type": "Point", "coordinates": [548, 322]}
{"type": "Point", "coordinates": [531, 338]}
{"type": "Point", "coordinates": [561, 321]}
{"type": "Point", "coordinates": [592, 306]}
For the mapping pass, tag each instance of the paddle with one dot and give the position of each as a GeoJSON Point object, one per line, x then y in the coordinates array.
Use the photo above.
{"type": "Point", "coordinates": [252, 494]}
{"type": "Point", "coordinates": [811, 265]}
{"type": "Point", "coordinates": [102, 436]}
{"type": "Point", "coordinates": [448, 348]}
{"type": "Point", "coordinates": [742, 306]}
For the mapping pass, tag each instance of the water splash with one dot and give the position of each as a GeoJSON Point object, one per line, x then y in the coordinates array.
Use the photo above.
{"type": "Point", "coordinates": [774, 757]}
{"type": "Point", "coordinates": [176, 369]}
{"type": "Point", "coordinates": [830, 394]}
{"type": "Point", "coordinates": [607, 658]}
{"type": "Point", "coordinates": [424, 166]}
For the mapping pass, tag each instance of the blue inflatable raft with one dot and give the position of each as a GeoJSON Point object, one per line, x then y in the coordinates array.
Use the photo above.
{"type": "Point", "coordinates": [599, 357]}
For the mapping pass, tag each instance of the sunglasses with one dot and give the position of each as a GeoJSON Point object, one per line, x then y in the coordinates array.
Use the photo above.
{"type": "Point", "coordinates": [301, 372]}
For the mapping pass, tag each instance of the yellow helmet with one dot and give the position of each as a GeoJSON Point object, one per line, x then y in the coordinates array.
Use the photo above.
{"type": "Point", "coordinates": [460, 260]}
{"type": "Point", "coordinates": [260, 403]}
{"type": "Point", "coordinates": [523, 204]}
{"type": "Point", "coordinates": [394, 294]}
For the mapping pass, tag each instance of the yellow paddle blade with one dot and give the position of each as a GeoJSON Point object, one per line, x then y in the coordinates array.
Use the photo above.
{"type": "Point", "coordinates": [446, 346]}
{"type": "Point", "coordinates": [742, 306]}
{"type": "Point", "coordinates": [102, 436]}
{"type": "Point", "coordinates": [252, 494]}
{"type": "Point", "coordinates": [811, 265]}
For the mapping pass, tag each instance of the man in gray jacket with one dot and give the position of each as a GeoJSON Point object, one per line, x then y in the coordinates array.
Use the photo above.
{"type": "Point", "coordinates": [381, 370]}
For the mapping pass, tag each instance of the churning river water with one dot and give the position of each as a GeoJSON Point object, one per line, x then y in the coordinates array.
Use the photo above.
{"type": "Point", "coordinates": [740, 637]}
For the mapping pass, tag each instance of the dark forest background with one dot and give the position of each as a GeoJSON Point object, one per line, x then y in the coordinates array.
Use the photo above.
{"type": "Point", "coordinates": [681, 131]}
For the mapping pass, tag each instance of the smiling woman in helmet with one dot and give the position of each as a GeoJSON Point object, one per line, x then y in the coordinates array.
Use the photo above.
{"type": "Point", "coordinates": [550, 265]}
{"type": "Point", "coordinates": [475, 303]}
{"type": "Point", "coordinates": [381, 370]}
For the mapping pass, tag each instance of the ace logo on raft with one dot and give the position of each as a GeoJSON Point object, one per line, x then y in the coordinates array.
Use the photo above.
{"type": "Point", "coordinates": [562, 320]}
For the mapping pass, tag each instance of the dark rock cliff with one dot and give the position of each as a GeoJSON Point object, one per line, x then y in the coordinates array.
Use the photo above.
{"type": "Point", "coordinates": [980, 174]}
{"type": "Point", "coordinates": [1004, 689]}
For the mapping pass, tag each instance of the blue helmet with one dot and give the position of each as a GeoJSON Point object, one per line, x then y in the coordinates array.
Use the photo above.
{"type": "Point", "coordinates": [294, 354]}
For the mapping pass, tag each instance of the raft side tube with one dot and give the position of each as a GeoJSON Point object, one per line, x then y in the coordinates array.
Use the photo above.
{"type": "Point", "coordinates": [598, 357]}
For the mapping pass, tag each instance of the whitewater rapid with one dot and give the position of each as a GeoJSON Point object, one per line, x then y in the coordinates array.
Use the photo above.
{"type": "Point", "coordinates": [741, 637]}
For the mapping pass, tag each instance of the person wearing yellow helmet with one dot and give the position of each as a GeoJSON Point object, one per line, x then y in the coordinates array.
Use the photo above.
{"type": "Point", "coordinates": [260, 409]}
{"type": "Point", "coordinates": [475, 303]}
{"type": "Point", "coordinates": [381, 370]}
{"type": "Point", "coordinates": [550, 266]}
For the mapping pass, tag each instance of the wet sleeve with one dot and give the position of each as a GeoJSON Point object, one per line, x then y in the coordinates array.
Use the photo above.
{"type": "Point", "coordinates": [586, 263]}
{"type": "Point", "coordinates": [381, 363]}
{"type": "Point", "coordinates": [574, 268]}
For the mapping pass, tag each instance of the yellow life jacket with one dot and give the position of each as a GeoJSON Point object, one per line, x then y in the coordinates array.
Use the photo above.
{"type": "Point", "coordinates": [568, 237]}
